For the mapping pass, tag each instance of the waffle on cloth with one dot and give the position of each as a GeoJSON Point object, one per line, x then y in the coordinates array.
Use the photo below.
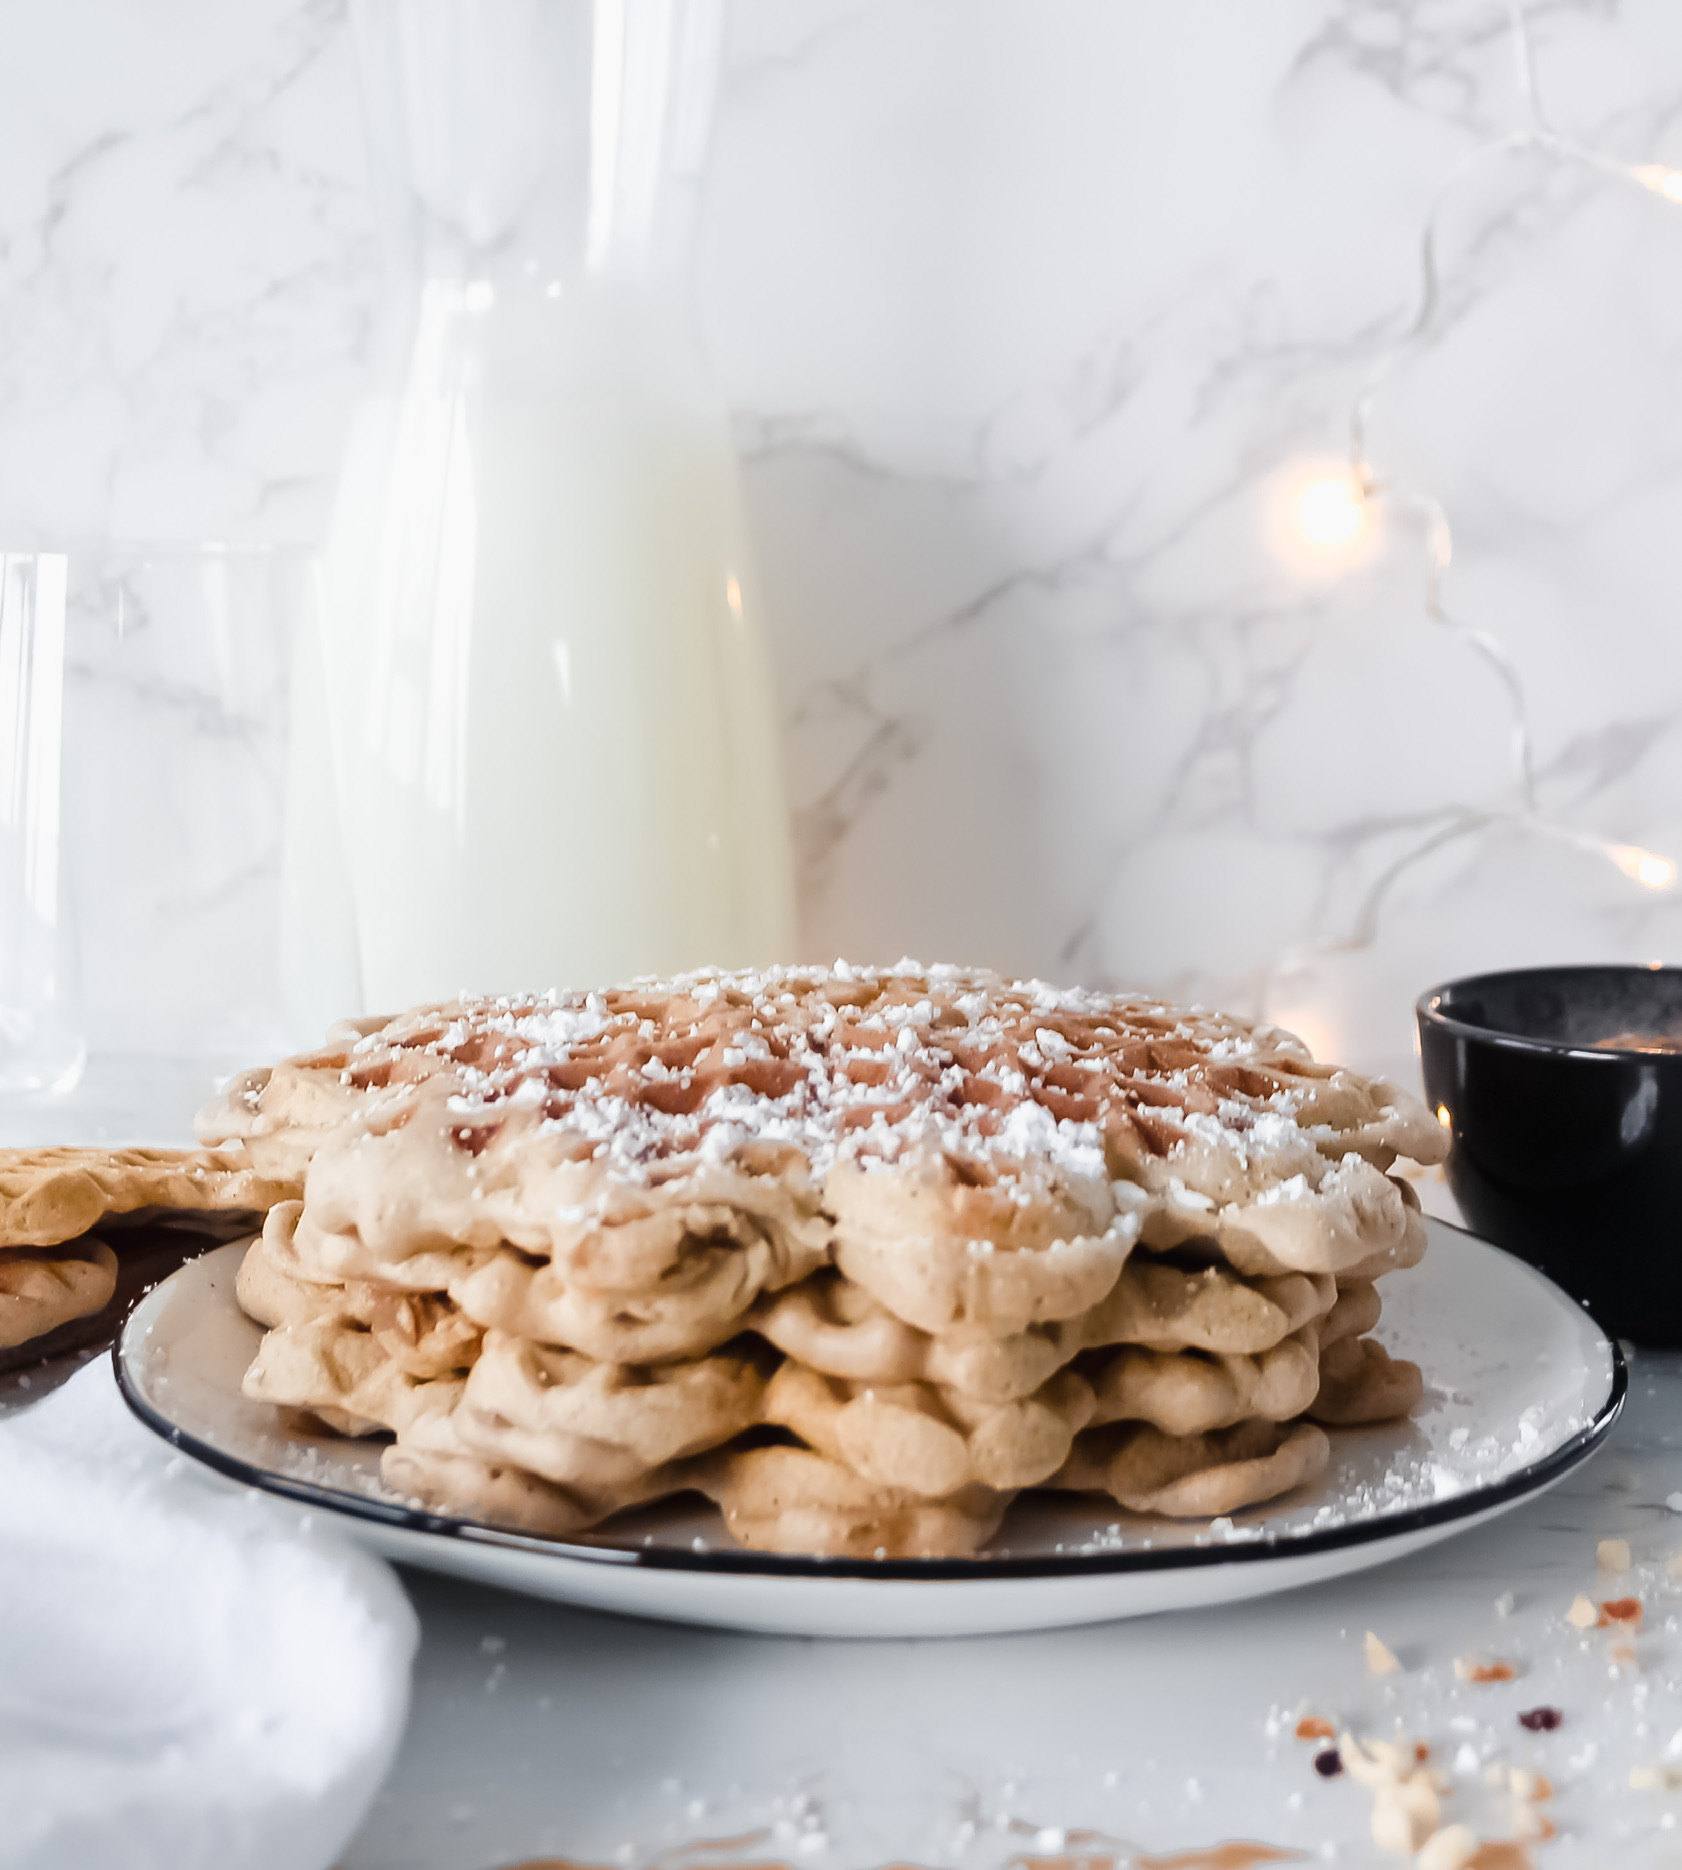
{"type": "Point", "coordinates": [856, 1253]}
{"type": "Point", "coordinates": [73, 1220]}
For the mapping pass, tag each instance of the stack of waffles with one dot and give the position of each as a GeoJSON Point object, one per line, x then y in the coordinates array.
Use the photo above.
{"type": "Point", "coordinates": [859, 1254]}
{"type": "Point", "coordinates": [83, 1229]}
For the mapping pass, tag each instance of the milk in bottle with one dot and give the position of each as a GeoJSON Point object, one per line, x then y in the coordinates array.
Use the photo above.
{"type": "Point", "coordinates": [553, 754]}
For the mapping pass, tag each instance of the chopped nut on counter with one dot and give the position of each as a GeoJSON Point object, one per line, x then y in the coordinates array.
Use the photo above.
{"type": "Point", "coordinates": [1612, 1555]}
{"type": "Point", "coordinates": [1381, 1658]}
{"type": "Point", "coordinates": [1406, 1809]}
{"type": "Point", "coordinates": [1582, 1615]}
{"type": "Point", "coordinates": [1530, 1823]}
{"type": "Point", "coordinates": [1451, 1848]}
{"type": "Point", "coordinates": [1484, 1671]}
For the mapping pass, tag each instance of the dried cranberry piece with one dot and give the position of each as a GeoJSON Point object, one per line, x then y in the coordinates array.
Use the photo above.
{"type": "Point", "coordinates": [1541, 1720]}
{"type": "Point", "coordinates": [1328, 1763]}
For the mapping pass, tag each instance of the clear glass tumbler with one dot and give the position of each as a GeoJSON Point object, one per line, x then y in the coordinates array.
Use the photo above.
{"type": "Point", "coordinates": [144, 714]}
{"type": "Point", "coordinates": [42, 1049]}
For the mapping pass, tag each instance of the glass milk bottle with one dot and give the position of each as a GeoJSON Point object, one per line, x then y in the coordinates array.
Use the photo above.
{"type": "Point", "coordinates": [552, 727]}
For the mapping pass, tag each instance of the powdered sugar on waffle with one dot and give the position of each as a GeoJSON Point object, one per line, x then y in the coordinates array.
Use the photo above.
{"type": "Point", "coordinates": [866, 1065]}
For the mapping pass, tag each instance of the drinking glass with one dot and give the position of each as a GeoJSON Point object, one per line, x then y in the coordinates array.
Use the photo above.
{"type": "Point", "coordinates": [41, 1044]}
{"type": "Point", "coordinates": [143, 785]}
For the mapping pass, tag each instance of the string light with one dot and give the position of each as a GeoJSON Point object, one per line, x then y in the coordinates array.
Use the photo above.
{"type": "Point", "coordinates": [1332, 511]}
{"type": "Point", "coordinates": [1647, 868]}
{"type": "Point", "coordinates": [1662, 181]}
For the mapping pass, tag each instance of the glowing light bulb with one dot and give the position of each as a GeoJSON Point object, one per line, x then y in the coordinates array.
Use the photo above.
{"type": "Point", "coordinates": [1647, 868]}
{"type": "Point", "coordinates": [1331, 512]}
{"type": "Point", "coordinates": [1444, 1118]}
{"type": "Point", "coordinates": [1662, 181]}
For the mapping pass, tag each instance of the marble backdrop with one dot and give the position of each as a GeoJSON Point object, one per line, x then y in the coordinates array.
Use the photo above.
{"type": "Point", "coordinates": [1035, 316]}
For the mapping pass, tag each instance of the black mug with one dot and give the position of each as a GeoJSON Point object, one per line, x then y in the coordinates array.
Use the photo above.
{"type": "Point", "coordinates": [1561, 1088]}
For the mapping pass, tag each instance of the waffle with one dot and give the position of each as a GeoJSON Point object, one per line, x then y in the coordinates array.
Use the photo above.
{"type": "Point", "coordinates": [782, 1499]}
{"type": "Point", "coordinates": [1191, 1392]}
{"type": "Point", "coordinates": [276, 1115]}
{"type": "Point", "coordinates": [465, 1486]}
{"type": "Point", "coordinates": [49, 1196]}
{"type": "Point", "coordinates": [1356, 1312]}
{"type": "Point", "coordinates": [43, 1289]}
{"type": "Point", "coordinates": [423, 1333]}
{"type": "Point", "coordinates": [913, 1438]}
{"type": "Point", "coordinates": [833, 1326]}
{"type": "Point", "coordinates": [836, 1327]}
{"type": "Point", "coordinates": [1173, 1307]}
{"type": "Point", "coordinates": [946, 1236]}
{"type": "Point", "coordinates": [596, 1428]}
{"type": "Point", "coordinates": [434, 1463]}
{"type": "Point", "coordinates": [1361, 1382]}
{"type": "Point", "coordinates": [1195, 1476]}
{"type": "Point", "coordinates": [271, 1287]}
{"type": "Point", "coordinates": [63, 1285]}
{"type": "Point", "coordinates": [345, 1376]}
{"type": "Point", "coordinates": [703, 1300]}
{"type": "Point", "coordinates": [909, 1104]}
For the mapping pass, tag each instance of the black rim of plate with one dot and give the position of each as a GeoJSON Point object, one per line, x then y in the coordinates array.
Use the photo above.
{"type": "Point", "coordinates": [1259, 1549]}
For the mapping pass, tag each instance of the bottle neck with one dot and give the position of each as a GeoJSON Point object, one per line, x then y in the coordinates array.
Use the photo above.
{"type": "Point", "coordinates": [523, 148]}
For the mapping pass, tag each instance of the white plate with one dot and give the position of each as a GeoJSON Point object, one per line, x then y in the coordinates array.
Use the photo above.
{"type": "Point", "coordinates": [1521, 1387]}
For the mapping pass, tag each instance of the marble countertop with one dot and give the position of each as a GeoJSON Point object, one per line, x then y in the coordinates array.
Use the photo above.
{"type": "Point", "coordinates": [542, 1732]}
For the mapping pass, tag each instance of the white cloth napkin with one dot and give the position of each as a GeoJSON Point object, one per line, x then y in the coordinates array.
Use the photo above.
{"type": "Point", "coordinates": [188, 1677]}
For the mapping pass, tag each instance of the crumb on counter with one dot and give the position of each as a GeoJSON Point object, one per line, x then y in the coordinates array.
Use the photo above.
{"type": "Point", "coordinates": [1451, 1848]}
{"type": "Point", "coordinates": [1381, 1658]}
{"type": "Point", "coordinates": [1484, 1671]}
{"type": "Point", "coordinates": [1406, 1807]}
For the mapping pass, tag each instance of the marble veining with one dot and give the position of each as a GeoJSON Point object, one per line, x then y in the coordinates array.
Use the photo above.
{"type": "Point", "coordinates": [1034, 318]}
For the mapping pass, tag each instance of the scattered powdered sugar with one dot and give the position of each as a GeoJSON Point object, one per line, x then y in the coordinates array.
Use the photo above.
{"type": "Point", "coordinates": [1294, 1189]}
{"type": "Point", "coordinates": [1015, 1078]}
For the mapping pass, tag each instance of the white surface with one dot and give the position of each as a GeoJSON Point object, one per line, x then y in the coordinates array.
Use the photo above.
{"type": "Point", "coordinates": [187, 1681]}
{"type": "Point", "coordinates": [1027, 313]}
{"type": "Point", "coordinates": [539, 1729]}
{"type": "Point", "coordinates": [1493, 1410]}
